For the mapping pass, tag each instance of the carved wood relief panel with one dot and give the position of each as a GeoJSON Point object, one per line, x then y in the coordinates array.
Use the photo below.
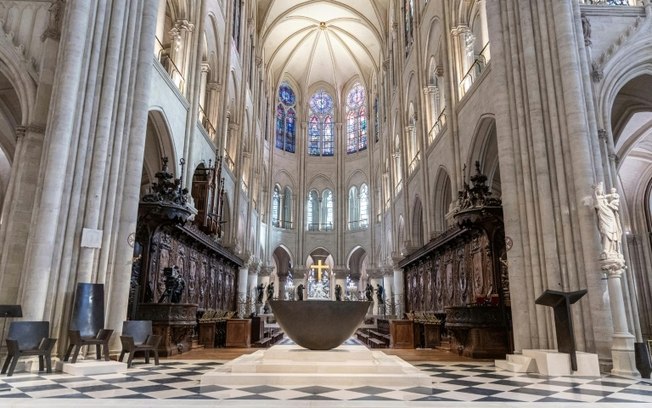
{"type": "Point", "coordinates": [454, 274]}
{"type": "Point", "coordinates": [210, 280]}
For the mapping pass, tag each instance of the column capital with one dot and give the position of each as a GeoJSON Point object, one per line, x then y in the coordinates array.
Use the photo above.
{"type": "Point", "coordinates": [205, 67]}
{"type": "Point", "coordinates": [20, 132]}
{"type": "Point", "coordinates": [614, 267]}
{"type": "Point", "coordinates": [460, 30]}
{"type": "Point", "coordinates": [184, 25]}
{"type": "Point", "coordinates": [214, 86]}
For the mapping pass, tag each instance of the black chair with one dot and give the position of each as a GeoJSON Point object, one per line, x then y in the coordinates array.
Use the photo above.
{"type": "Point", "coordinates": [137, 336]}
{"type": "Point", "coordinates": [101, 340]}
{"type": "Point", "coordinates": [29, 339]}
{"type": "Point", "coordinates": [87, 322]}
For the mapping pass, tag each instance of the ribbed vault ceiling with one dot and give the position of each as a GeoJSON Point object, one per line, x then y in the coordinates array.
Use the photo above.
{"type": "Point", "coordinates": [330, 41]}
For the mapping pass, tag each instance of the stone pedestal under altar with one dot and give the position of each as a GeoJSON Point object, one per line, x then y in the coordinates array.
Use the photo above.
{"type": "Point", "coordinates": [291, 365]}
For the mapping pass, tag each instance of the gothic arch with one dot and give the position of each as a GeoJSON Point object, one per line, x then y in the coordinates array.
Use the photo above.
{"type": "Point", "coordinates": [158, 144]}
{"type": "Point", "coordinates": [484, 148]}
{"type": "Point", "coordinates": [417, 223]}
{"type": "Point", "coordinates": [355, 260]}
{"type": "Point", "coordinates": [442, 197]}
{"type": "Point", "coordinates": [283, 259]}
{"type": "Point", "coordinates": [15, 69]}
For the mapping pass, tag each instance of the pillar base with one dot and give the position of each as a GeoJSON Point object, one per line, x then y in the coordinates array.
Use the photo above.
{"type": "Point", "coordinates": [623, 356]}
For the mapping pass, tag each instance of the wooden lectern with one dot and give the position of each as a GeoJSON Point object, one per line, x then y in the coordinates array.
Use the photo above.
{"type": "Point", "coordinates": [560, 303]}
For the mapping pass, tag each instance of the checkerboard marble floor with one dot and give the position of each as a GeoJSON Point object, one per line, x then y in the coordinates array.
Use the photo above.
{"type": "Point", "coordinates": [477, 384]}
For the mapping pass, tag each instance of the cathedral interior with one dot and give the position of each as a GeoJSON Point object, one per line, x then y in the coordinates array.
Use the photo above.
{"type": "Point", "coordinates": [452, 162]}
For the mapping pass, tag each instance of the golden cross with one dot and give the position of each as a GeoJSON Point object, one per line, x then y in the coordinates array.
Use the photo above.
{"type": "Point", "coordinates": [319, 267]}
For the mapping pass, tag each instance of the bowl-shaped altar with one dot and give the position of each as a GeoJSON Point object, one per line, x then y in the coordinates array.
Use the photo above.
{"type": "Point", "coordinates": [319, 324]}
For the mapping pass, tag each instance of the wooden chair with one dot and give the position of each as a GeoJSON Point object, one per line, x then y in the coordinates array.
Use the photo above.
{"type": "Point", "coordinates": [137, 336]}
{"type": "Point", "coordinates": [29, 339]}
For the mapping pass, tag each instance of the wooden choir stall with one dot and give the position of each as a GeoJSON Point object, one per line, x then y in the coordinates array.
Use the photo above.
{"type": "Point", "coordinates": [180, 268]}
{"type": "Point", "coordinates": [461, 277]}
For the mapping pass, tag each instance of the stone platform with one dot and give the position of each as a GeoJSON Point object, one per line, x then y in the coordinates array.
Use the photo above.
{"type": "Point", "coordinates": [344, 366]}
{"type": "Point", "coordinates": [551, 363]}
{"type": "Point", "coordinates": [84, 368]}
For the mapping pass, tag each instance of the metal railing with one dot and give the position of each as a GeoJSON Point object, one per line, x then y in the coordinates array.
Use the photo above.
{"type": "Point", "coordinates": [475, 70]}
{"type": "Point", "coordinates": [207, 124]}
{"type": "Point", "coordinates": [414, 163]}
{"type": "Point", "coordinates": [612, 2]}
{"type": "Point", "coordinates": [170, 67]}
{"type": "Point", "coordinates": [320, 226]}
{"type": "Point", "coordinates": [358, 225]}
{"type": "Point", "coordinates": [230, 164]}
{"type": "Point", "coordinates": [439, 125]}
{"type": "Point", "coordinates": [282, 224]}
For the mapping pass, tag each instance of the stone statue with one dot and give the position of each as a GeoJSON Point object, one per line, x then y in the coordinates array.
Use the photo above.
{"type": "Point", "coordinates": [260, 292]}
{"type": "Point", "coordinates": [174, 285]}
{"type": "Point", "coordinates": [368, 292]}
{"type": "Point", "coordinates": [380, 294]}
{"type": "Point", "coordinates": [338, 292]}
{"type": "Point", "coordinates": [300, 291]}
{"type": "Point", "coordinates": [270, 291]}
{"type": "Point", "coordinates": [586, 29]}
{"type": "Point", "coordinates": [611, 232]}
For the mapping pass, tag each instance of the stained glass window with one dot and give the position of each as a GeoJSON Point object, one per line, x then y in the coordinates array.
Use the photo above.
{"type": "Point", "coordinates": [286, 119]}
{"type": "Point", "coordinates": [327, 210]}
{"type": "Point", "coordinates": [313, 209]}
{"type": "Point", "coordinates": [408, 6]}
{"type": "Point", "coordinates": [320, 124]}
{"type": "Point", "coordinates": [376, 120]}
{"type": "Point", "coordinates": [276, 206]}
{"type": "Point", "coordinates": [364, 206]}
{"type": "Point", "coordinates": [356, 120]}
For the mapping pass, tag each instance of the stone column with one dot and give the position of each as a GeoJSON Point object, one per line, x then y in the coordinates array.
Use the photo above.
{"type": "Point", "coordinates": [399, 292]}
{"type": "Point", "coordinates": [339, 278]}
{"type": "Point", "coordinates": [59, 135]}
{"type": "Point", "coordinates": [252, 283]}
{"type": "Point", "coordinates": [388, 284]}
{"type": "Point", "coordinates": [484, 28]}
{"type": "Point", "coordinates": [118, 295]}
{"type": "Point", "coordinates": [203, 78]}
{"type": "Point", "coordinates": [243, 275]}
{"type": "Point", "coordinates": [17, 210]}
{"type": "Point", "coordinates": [102, 141]}
{"type": "Point", "coordinates": [622, 349]}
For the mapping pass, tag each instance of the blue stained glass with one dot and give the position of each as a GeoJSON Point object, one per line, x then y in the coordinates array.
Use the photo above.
{"type": "Point", "coordinates": [286, 95]}
{"type": "Point", "coordinates": [321, 102]}
{"type": "Point", "coordinates": [280, 125]}
{"type": "Point", "coordinates": [285, 119]}
{"type": "Point", "coordinates": [320, 128]}
{"type": "Point", "coordinates": [356, 119]}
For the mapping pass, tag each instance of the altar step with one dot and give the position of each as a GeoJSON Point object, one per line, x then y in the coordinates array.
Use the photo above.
{"type": "Point", "coordinates": [550, 362]}
{"type": "Point", "coordinates": [517, 363]}
{"type": "Point", "coordinates": [291, 365]}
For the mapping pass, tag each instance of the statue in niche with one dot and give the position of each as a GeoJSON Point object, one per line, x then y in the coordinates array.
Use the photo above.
{"type": "Point", "coordinates": [270, 291]}
{"type": "Point", "coordinates": [368, 292]}
{"type": "Point", "coordinates": [260, 292]}
{"type": "Point", "coordinates": [338, 292]}
{"type": "Point", "coordinates": [300, 290]}
{"type": "Point", "coordinates": [611, 232]}
{"type": "Point", "coordinates": [380, 294]}
{"type": "Point", "coordinates": [174, 285]}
